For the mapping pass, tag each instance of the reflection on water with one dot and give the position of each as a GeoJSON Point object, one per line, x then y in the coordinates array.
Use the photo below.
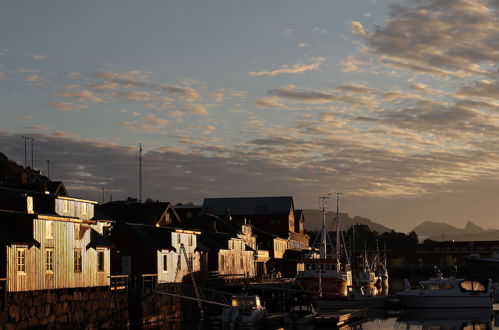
{"type": "Point", "coordinates": [415, 319]}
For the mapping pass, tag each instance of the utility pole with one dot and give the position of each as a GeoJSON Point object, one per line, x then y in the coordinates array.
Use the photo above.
{"type": "Point", "coordinates": [102, 195]}
{"type": "Point", "coordinates": [32, 164]}
{"type": "Point", "coordinates": [48, 169]}
{"type": "Point", "coordinates": [140, 172]}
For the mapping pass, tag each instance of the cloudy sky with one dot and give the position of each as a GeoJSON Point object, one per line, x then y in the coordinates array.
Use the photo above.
{"type": "Point", "coordinates": [393, 103]}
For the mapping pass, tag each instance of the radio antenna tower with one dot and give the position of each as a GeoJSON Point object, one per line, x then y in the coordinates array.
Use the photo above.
{"type": "Point", "coordinates": [140, 172]}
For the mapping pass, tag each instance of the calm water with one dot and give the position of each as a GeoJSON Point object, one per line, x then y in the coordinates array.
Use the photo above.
{"type": "Point", "coordinates": [434, 319]}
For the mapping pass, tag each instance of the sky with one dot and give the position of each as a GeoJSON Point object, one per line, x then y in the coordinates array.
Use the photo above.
{"type": "Point", "coordinates": [393, 103]}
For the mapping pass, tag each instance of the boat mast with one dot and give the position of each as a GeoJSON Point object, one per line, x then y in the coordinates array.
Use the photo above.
{"type": "Point", "coordinates": [323, 246]}
{"type": "Point", "coordinates": [338, 228]}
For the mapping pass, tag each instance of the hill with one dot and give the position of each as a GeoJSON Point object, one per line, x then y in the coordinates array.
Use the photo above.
{"type": "Point", "coordinates": [313, 221]}
{"type": "Point", "coordinates": [439, 231]}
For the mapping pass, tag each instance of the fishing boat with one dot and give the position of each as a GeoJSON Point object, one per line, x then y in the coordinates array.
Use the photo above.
{"type": "Point", "coordinates": [327, 273]}
{"type": "Point", "coordinates": [448, 292]}
{"type": "Point", "coordinates": [244, 311]}
{"type": "Point", "coordinates": [300, 314]}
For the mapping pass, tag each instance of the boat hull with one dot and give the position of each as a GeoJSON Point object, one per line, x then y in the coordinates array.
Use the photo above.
{"type": "Point", "coordinates": [331, 286]}
{"type": "Point", "coordinates": [450, 301]}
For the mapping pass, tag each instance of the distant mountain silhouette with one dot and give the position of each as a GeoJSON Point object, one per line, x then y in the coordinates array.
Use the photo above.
{"type": "Point", "coordinates": [439, 231]}
{"type": "Point", "coordinates": [313, 221]}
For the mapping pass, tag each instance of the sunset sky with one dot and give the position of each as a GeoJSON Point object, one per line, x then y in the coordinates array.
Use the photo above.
{"type": "Point", "coordinates": [393, 103]}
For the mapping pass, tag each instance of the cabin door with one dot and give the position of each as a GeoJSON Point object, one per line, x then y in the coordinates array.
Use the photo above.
{"type": "Point", "coordinates": [126, 265]}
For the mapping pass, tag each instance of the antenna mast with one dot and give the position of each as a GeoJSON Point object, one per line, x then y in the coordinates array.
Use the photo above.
{"type": "Point", "coordinates": [140, 172]}
{"type": "Point", "coordinates": [323, 246]}
{"type": "Point", "coordinates": [338, 228]}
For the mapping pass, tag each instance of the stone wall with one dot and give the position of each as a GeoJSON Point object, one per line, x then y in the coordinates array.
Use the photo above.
{"type": "Point", "coordinates": [81, 308]}
{"type": "Point", "coordinates": [90, 308]}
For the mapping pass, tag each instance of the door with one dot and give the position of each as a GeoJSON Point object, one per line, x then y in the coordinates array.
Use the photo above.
{"type": "Point", "coordinates": [126, 265]}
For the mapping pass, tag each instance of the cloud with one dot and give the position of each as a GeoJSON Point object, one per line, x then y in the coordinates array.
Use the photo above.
{"type": "Point", "coordinates": [106, 85]}
{"type": "Point", "coordinates": [187, 92]}
{"type": "Point", "coordinates": [303, 44]}
{"type": "Point", "coordinates": [135, 96]}
{"type": "Point", "coordinates": [36, 57]}
{"type": "Point", "coordinates": [357, 28]}
{"type": "Point", "coordinates": [66, 106]}
{"type": "Point", "coordinates": [309, 96]}
{"type": "Point", "coordinates": [196, 108]}
{"type": "Point", "coordinates": [148, 123]}
{"type": "Point", "coordinates": [484, 88]}
{"type": "Point", "coordinates": [315, 64]}
{"type": "Point", "coordinates": [442, 38]}
{"type": "Point", "coordinates": [82, 96]}
{"type": "Point", "coordinates": [273, 102]}
{"type": "Point", "coordinates": [128, 79]}
{"type": "Point", "coordinates": [34, 78]}
{"type": "Point", "coordinates": [75, 75]}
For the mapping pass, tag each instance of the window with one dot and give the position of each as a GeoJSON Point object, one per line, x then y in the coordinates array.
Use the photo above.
{"type": "Point", "coordinates": [275, 221]}
{"type": "Point", "coordinates": [179, 262]}
{"type": "Point", "coordinates": [100, 261]}
{"type": "Point", "coordinates": [49, 260]}
{"type": "Point", "coordinates": [222, 262]}
{"type": "Point", "coordinates": [29, 204]}
{"type": "Point", "coordinates": [165, 263]}
{"type": "Point", "coordinates": [65, 207]}
{"type": "Point", "coordinates": [190, 240]}
{"type": "Point", "coordinates": [77, 260]}
{"type": "Point", "coordinates": [242, 262]}
{"type": "Point", "coordinates": [178, 238]}
{"type": "Point", "coordinates": [21, 260]}
{"type": "Point", "coordinates": [49, 229]}
{"type": "Point", "coordinates": [77, 232]}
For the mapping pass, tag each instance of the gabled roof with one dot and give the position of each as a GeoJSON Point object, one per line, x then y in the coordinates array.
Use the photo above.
{"type": "Point", "coordinates": [17, 228]}
{"type": "Point", "coordinates": [97, 240]}
{"type": "Point", "coordinates": [157, 237]}
{"type": "Point", "coordinates": [131, 211]}
{"type": "Point", "coordinates": [248, 205]}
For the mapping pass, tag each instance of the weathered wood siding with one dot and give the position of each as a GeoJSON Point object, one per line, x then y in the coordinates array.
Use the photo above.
{"type": "Point", "coordinates": [74, 208]}
{"type": "Point", "coordinates": [172, 274]}
{"type": "Point", "coordinates": [236, 260]}
{"type": "Point", "coordinates": [63, 243]}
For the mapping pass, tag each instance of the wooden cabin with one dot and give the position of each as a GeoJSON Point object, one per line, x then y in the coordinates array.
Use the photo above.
{"type": "Point", "coordinates": [51, 242]}
{"type": "Point", "coordinates": [227, 256]}
{"type": "Point", "coordinates": [147, 249]}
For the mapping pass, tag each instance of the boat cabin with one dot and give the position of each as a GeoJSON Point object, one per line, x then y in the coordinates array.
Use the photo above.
{"type": "Point", "coordinates": [452, 284]}
{"type": "Point", "coordinates": [246, 302]}
{"type": "Point", "coordinates": [325, 265]}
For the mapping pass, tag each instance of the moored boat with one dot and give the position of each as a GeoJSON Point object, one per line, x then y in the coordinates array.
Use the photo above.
{"type": "Point", "coordinates": [244, 311]}
{"type": "Point", "coordinates": [300, 314]}
{"type": "Point", "coordinates": [327, 273]}
{"type": "Point", "coordinates": [448, 292]}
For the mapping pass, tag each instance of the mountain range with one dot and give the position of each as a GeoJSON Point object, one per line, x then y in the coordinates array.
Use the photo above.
{"type": "Point", "coordinates": [437, 231]}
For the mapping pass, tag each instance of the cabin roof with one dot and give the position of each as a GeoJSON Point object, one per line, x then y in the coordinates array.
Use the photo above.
{"type": "Point", "coordinates": [158, 237]}
{"type": "Point", "coordinates": [97, 240]}
{"type": "Point", "coordinates": [248, 205]}
{"type": "Point", "coordinates": [17, 228]}
{"type": "Point", "coordinates": [131, 211]}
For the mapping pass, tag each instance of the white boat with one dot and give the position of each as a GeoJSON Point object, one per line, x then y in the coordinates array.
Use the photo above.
{"type": "Point", "coordinates": [448, 292]}
{"type": "Point", "coordinates": [300, 314]}
{"type": "Point", "coordinates": [244, 311]}
{"type": "Point", "coordinates": [447, 318]}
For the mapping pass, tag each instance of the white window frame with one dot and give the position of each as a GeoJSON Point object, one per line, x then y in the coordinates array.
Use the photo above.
{"type": "Point", "coordinates": [21, 260]}
{"type": "Point", "coordinates": [49, 260]}
{"type": "Point", "coordinates": [99, 268]}
{"type": "Point", "coordinates": [49, 229]}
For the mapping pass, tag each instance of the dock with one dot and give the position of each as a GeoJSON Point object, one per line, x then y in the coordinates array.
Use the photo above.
{"type": "Point", "coordinates": [341, 317]}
